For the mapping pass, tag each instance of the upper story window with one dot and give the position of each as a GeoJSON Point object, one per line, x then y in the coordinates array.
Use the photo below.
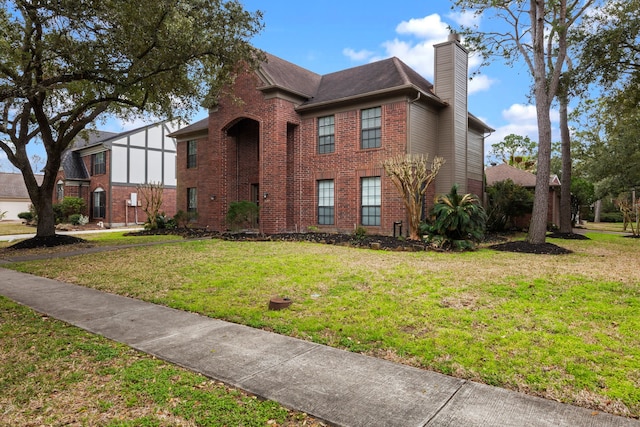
{"type": "Point", "coordinates": [371, 121]}
{"type": "Point", "coordinates": [99, 163]}
{"type": "Point", "coordinates": [192, 154]}
{"type": "Point", "coordinates": [326, 135]}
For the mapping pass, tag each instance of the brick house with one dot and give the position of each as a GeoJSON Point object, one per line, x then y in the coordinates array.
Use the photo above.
{"type": "Point", "coordinates": [526, 179]}
{"type": "Point", "coordinates": [104, 169]}
{"type": "Point", "coordinates": [308, 148]}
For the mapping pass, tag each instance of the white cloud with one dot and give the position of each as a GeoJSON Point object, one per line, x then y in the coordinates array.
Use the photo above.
{"type": "Point", "coordinates": [480, 83]}
{"type": "Point", "coordinates": [521, 120]}
{"type": "Point", "coordinates": [414, 46]}
{"type": "Point", "coordinates": [430, 27]}
{"type": "Point", "coordinates": [466, 19]}
{"type": "Point", "coordinates": [359, 56]}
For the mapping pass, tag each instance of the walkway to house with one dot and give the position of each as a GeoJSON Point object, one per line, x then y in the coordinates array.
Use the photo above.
{"type": "Point", "coordinates": [342, 388]}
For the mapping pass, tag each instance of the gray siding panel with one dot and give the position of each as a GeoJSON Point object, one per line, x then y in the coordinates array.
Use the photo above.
{"type": "Point", "coordinates": [423, 134]}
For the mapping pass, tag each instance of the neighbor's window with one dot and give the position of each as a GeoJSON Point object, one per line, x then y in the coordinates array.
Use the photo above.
{"type": "Point", "coordinates": [325, 202]}
{"type": "Point", "coordinates": [99, 163]}
{"type": "Point", "coordinates": [192, 154]}
{"type": "Point", "coordinates": [370, 189]}
{"type": "Point", "coordinates": [326, 135]}
{"type": "Point", "coordinates": [99, 203]}
{"type": "Point", "coordinates": [60, 190]}
{"type": "Point", "coordinates": [371, 120]}
{"type": "Point", "coordinates": [192, 200]}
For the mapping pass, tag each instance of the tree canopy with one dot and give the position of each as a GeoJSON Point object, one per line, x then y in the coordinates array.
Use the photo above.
{"type": "Point", "coordinates": [65, 63]}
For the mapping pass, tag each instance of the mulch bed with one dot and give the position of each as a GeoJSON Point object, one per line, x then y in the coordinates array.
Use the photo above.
{"type": "Point", "coordinates": [47, 242]}
{"type": "Point", "coordinates": [529, 248]}
{"type": "Point", "coordinates": [341, 239]}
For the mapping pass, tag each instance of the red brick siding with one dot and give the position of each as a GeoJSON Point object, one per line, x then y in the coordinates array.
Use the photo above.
{"type": "Point", "coordinates": [287, 164]}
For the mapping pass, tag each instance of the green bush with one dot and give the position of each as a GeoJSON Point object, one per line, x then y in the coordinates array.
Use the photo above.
{"type": "Point", "coordinates": [611, 217]}
{"type": "Point", "coordinates": [27, 216]}
{"type": "Point", "coordinates": [58, 215]}
{"type": "Point", "coordinates": [457, 221]}
{"type": "Point", "coordinates": [182, 218]}
{"type": "Point", "coordinates": [75, 219]}
{"type": "Point", "coordinates": [242, 214]}
{"type": "Point", "coordinates": [72, 205]}
{"type": "Point", "coordinates": [506, 201]}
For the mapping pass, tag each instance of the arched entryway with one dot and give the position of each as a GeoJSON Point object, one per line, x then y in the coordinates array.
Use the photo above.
{"type": "Point", "coordinates": [243, 161]}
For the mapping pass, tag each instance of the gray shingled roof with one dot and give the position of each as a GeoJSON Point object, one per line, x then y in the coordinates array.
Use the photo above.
{"type": "Point", "coordinates": [283, 74]}
{"type": "Point", "coordinates": [198, 126]}
{"type": "Point", "coordinates": [12, 186]}
{"type": "Point", "coordinates": [73, 166]}
{"type": "Point", "coordinates": [369, 78]}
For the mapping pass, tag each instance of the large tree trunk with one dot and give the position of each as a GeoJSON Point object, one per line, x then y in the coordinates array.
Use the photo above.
{"type": "Point", "coordinates": [566, 225]}
{"type": "Point", "coordinates": [42, 195]}
{"type": "Point", "coordinates": [538, 227]}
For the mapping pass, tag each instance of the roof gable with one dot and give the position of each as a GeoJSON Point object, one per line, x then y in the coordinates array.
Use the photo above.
{"type": "Point", "coordinates": [278, 73]}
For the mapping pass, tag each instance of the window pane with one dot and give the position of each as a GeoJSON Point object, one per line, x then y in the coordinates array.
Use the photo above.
{"type": "Point", "coordinates": [192, 154]}
{"type": "Point", "coordinates": [192, 200]}
{"type": "Point", "coordinates": [326, 132]}
{"type": "Point", "coordinates": [371, 127]}
{"type": "Point", "coordinates": [325, 202]}
{"type": "Point", "coordinates": [371, 201]}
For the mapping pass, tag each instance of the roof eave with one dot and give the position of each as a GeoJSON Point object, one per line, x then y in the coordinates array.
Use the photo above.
{"type": "Point", "coordinates": [375, 94]}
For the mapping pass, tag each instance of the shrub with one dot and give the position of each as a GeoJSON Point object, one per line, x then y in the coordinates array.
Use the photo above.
{"type": "Point", "coordinates": [457, 221]}
{"type": "Point", "coordinates": [506, 201]}
{"type": "Point", "coordinates": [27, 216]}
{"type": "Point", "coordinates": [58, 214]}
{"type": "Point", "coordinates": [359, 233]}
{"type": "Point", "coordinates": [242, 214]}
{"type": "Point", "coordinates": [72, 205]}
{"type": "Point", "coordinates": [75, 219]}
{"type": "Point", "coordinates": [182, 218]}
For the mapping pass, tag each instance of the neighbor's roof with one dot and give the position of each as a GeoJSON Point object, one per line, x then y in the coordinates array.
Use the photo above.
{"type": "Point", "coordinates": [12, 186]}
{"type": "Point", "coordinates": [521, 177]}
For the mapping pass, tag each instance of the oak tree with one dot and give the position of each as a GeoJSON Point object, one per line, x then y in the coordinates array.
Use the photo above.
{"type": "Point", "coordinates": [66, 63]}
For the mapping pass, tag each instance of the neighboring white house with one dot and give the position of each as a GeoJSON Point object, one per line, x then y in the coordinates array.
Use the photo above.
{"type": "Point", "coordinates": [104, 169]}
{"type": "Point", "coordinates": [14, 197]}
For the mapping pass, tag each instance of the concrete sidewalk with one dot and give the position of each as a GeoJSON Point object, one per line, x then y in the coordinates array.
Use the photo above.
{"type": "Point", "coordinates": [342, 388]}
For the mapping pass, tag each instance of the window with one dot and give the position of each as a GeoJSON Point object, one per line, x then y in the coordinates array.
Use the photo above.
{"type": "Point", "coordinates": [60, 190]}
{"type": "Point", "coordinates": [192, 154]}
{"type": "Point", "coordinates": [99, 203]}
{"type": "Point", "coordinates": [192, 200]}
{"type": "Point", "coordinates": [370, 188]}
{"type": "Point", "coordinates": [325, 202]}
{"type": "Point", "coordinates": [371, 127]}
{"type": "Point", "coordinates": [326, 135]}
{"type": "Point", "coordinates": [99, 163]}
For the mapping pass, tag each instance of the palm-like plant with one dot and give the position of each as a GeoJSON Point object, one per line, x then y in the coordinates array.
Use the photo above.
{"type": "Point", "coordinates": [457, 220]}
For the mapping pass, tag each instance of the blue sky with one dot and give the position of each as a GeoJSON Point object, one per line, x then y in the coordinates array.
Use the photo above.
{"type": "Point", "coordinates": [333, 35]}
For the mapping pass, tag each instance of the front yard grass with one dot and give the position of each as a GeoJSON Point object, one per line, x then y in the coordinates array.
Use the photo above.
{"type": "Point", "coordinates": [52, 373]}
{"type": "Point", "coordinates": [561, 327]}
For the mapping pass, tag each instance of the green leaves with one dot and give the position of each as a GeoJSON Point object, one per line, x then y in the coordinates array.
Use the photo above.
{"type": "Point", "coordinates": [458, 220]}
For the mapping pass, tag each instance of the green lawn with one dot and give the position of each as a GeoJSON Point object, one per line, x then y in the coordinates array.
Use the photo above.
{"type": "Point", "coordinates": [55, 374]}
{"type": "Point", "coordinates": [561, 327]}
{"type": "Point", "coordinates": [15, 227]}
